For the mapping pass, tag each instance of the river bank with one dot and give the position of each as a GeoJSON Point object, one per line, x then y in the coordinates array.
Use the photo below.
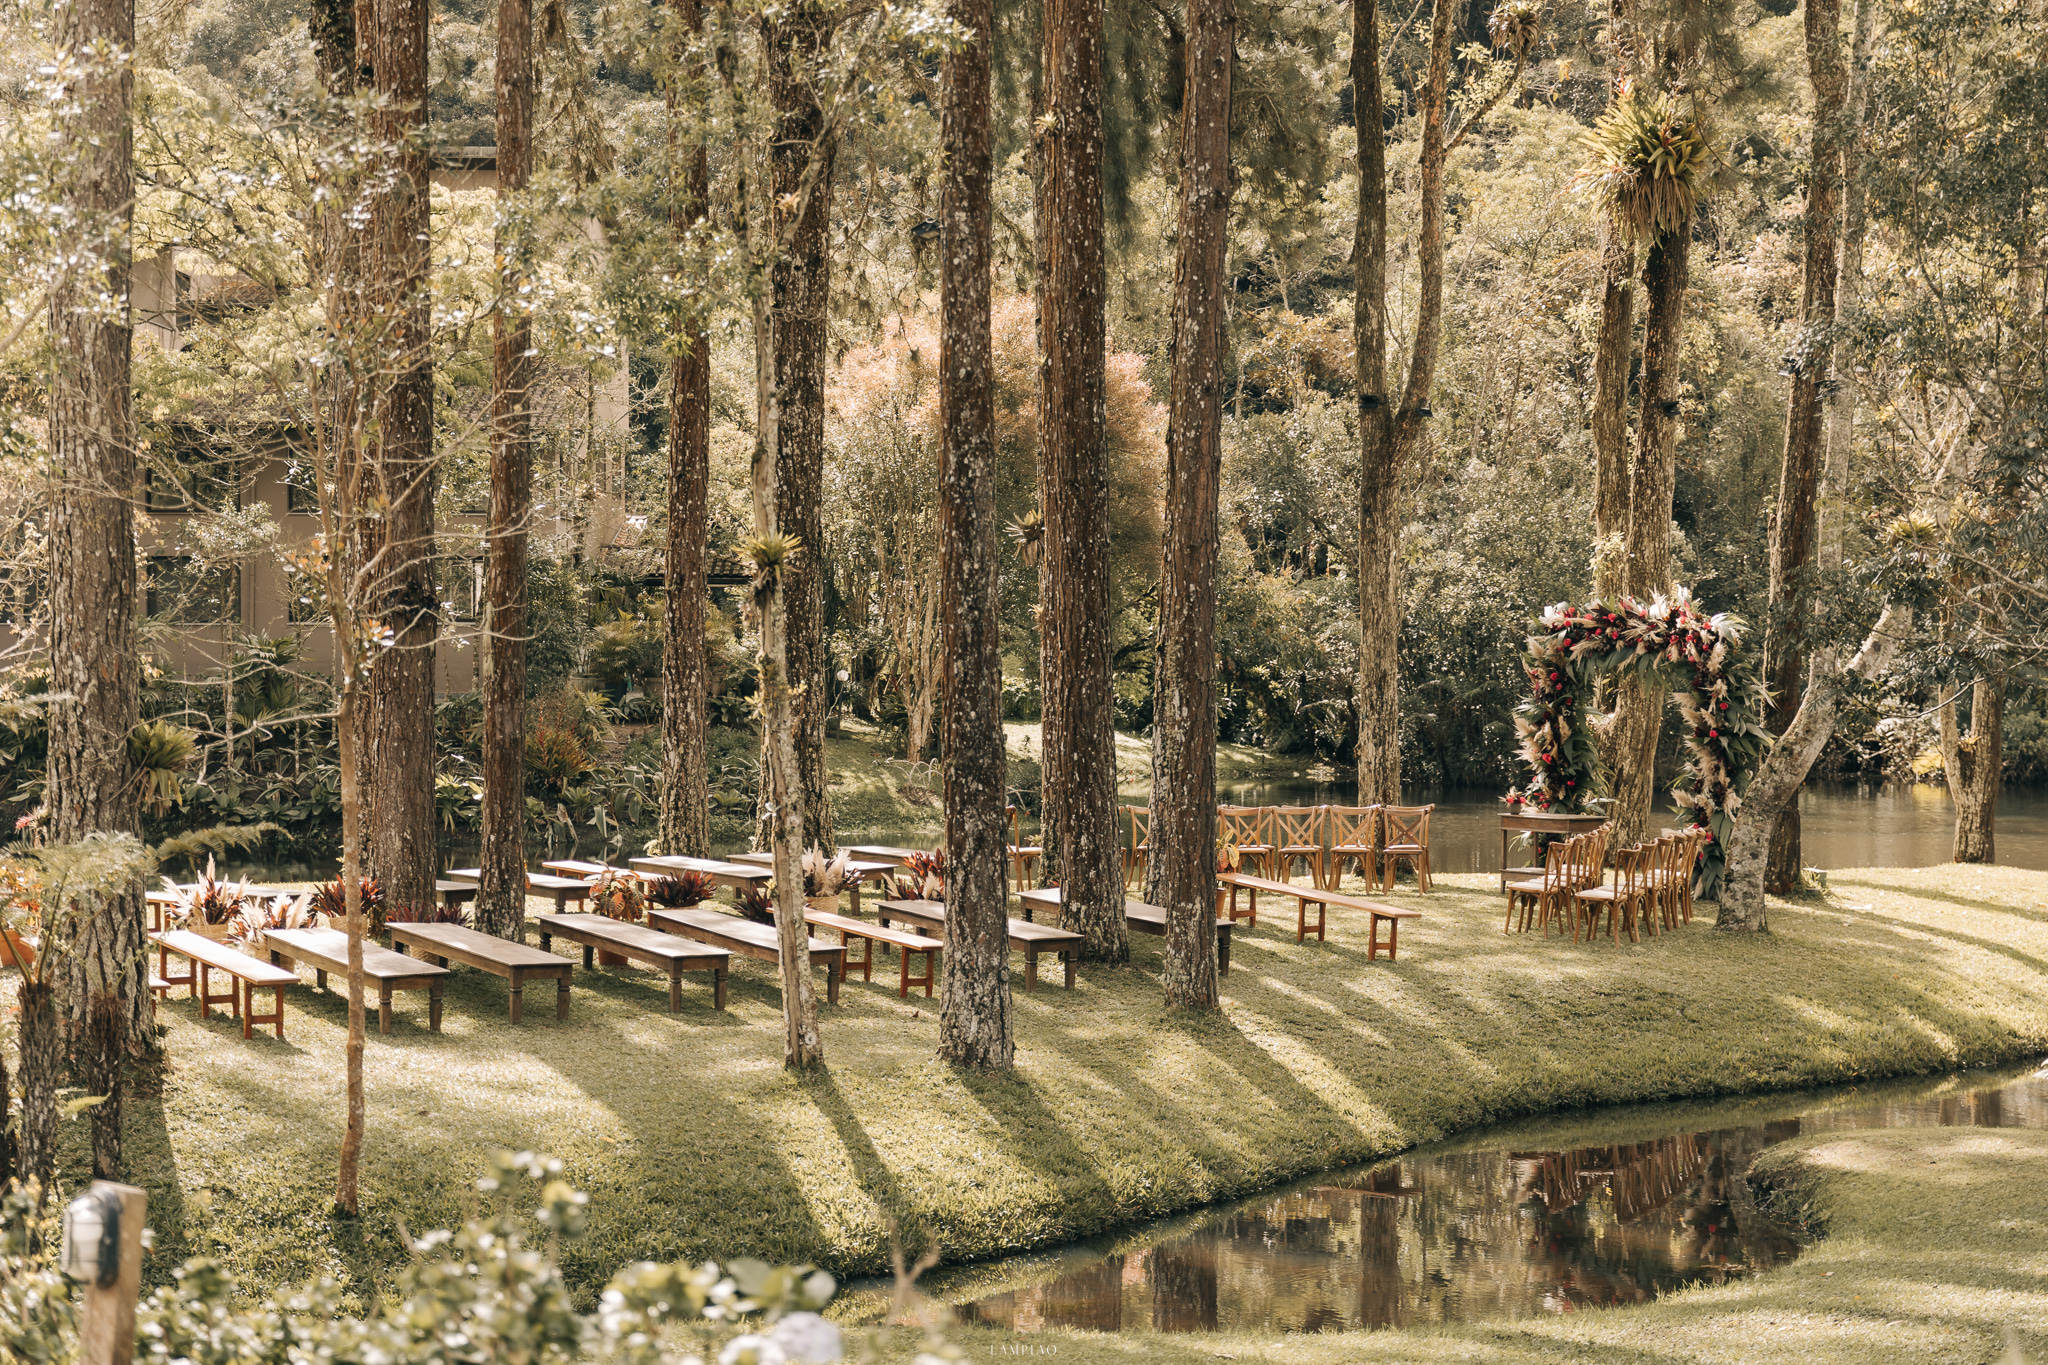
{"type": "Point", "coordinates": [693, 1143]}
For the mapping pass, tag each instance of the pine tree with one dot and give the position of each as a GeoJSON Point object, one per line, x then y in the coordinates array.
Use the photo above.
{"type": "Point", "coordinates": [1183, 871]}
{"type": "Point", "coordinates": [974, 1007]}
{"type": "Point", "coordinates": [501, 892]}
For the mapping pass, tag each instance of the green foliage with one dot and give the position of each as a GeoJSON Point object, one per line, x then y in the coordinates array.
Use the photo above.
{"type": "Point", "coordinates": [1650, 161]}
{"type": "Point", "coordinates": [627, 651]}
{"type": "Point", "coordinates": [556, 624]}
{"type": "Point", "coordinates": [160, 752]}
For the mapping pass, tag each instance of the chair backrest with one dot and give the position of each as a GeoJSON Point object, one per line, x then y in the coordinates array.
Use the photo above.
{"type": "Point", "coordinates": [1013, 825]}
{"type": "Point", "coordinates": [1354, 826]}
{"type": "Point", "coordinates": [1300, 826]}
{"type": "Point", "coordinates": [1632, 866]}
{"type": "Point", "coordinates": [1141, 825]}
{"type": "Point", "coordinates": [1560, 864]}
{"type": "Point", "coordinates": [1244, 825]}
{"type": "Point", "coordinates": [1593, 861]}
{"type": "Point", "coordinates": [1407, 824]}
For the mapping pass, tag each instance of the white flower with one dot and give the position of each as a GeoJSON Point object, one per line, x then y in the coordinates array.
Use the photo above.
{"type": "Point", "coordinates": [752, 1349]}
{"type": "Point", "coordinates": [808, 1337]}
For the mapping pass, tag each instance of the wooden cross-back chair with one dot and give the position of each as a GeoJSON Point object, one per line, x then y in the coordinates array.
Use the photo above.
{"type": "Point", "coordinates": [1626, 899]}
{"type": "Point", "coordinates": [1299, 833]}
{"type": "Point", "coordinates": [1023, 857]}
{"type": "Point", "coordinates": [1137, 840]}
{"type": "Point", "coordinates": [1354, 837]}
{"type": "Point", "coordinates": [1539, 898]}
{"type": "Point", "coordinates": [1406, 831]}
{"type": "Point", "coordinates": [1250, 828]}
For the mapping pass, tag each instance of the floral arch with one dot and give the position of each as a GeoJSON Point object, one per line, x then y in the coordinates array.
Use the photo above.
{"type": "Point", "coordinates": [1699, 657]}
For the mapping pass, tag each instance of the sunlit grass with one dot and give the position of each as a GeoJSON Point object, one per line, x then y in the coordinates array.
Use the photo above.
{"type": "Point", "coordinates": [694, 1143]}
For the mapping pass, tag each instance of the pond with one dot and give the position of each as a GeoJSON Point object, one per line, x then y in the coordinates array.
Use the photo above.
{"type": "Point", "coordinates": [1841, 826]}
{"type": "Point", "coordinates": [1567, 1212]}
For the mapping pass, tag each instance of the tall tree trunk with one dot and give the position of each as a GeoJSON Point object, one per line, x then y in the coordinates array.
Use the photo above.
{"type": "Point", "coordinates": [401, 700]}
{"type": "Point", "coordinates": [1793, 526]}
{"type": "Point", "coordinates": [1612, 346]}
{"type": "Point", "coordinates": [42, 1062]}
{"type": "Point", "coordinates": [1379, 530]}
{"type": "Point", "coordinates": [1831, 518]}
{"type": "Point", "coordinates": [1974, 765]}
{"type": "Point", "coordinates": [1394, 440]}
{"type": "Point", "coordinates": [1646, 547]}
{"type": "Point", "coordinates": [1182, 875]}
{"type": "Point", "coordinates": [685, 705]}
{"type": "Point", "coordinates": [346, 1193]}
{"type": "Point", "coordinates": [1786, 766]}
{"type": "Point", "coordinates": [501, 890]}
{"type": "Point", "coordinates": [106, 1047]}
{"type": "Point", "coordinates": [93, 654]}
{"type": "Point", "coordinates": [1080, 747]}
{"type": "Point", "coordinates": [802, 285]}
{"type": "Point", "coordinates": [974, 1006]}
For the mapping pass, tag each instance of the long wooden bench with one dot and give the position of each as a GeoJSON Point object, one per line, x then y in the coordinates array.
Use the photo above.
{"type": "Point", "coordinates": [1141, 917]}
{"type": "Point", "coordinates": [1025, 937]}
{"type": "Point", "coordinates": [515, 962]}
{"type": "Point", "coordinates": [326, 950]}
{"type": "Point", "coordinates": [883, 853]}
{"type": "Point", "coordinates": [1304, 896]}
{"type": "Point", "coordinates": [664, 952]}
{"type": "Point", "coordinates": [908, 946]}
{"type": "Point", "coordinates": [454, 894]}
{"type": "Point", "coordinates": [246, 974]}
{"type": "Point", "coordinates": [730, 875]}
{"type": "Point", "coordinates": [761, 942]}
{"type": "Point", "coordinates": [561, 889]}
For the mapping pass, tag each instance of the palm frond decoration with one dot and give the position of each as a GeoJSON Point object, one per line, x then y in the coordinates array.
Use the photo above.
{"type": "Point", "coordinates": [1651, 160]}
{"type": "Point", "coordinates": [160, 752]}
{"type": "Point", "coordinates": [1514, 27]}
{"type": "Point", "coordinates": [1028, 531]}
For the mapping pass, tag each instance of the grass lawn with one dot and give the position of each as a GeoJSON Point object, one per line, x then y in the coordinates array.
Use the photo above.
{"type": "Point", "coordinates": [694, 1143]}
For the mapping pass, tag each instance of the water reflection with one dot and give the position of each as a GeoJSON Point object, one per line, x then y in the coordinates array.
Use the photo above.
{"type": "Point", "coordinates": [1462, 1236]}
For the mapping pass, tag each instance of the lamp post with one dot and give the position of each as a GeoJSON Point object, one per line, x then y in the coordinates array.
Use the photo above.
{"type": "Point", "coordinates": [103, 1251]}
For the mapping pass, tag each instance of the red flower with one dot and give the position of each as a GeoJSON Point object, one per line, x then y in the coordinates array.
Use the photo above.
{"type": "Point", "coordinates": [1713, 734]}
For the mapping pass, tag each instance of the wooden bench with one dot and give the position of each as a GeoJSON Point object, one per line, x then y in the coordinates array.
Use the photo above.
{"type": "Point", "coordinates": [641, 944]}
{"type": "Point", "coordinates": [1025, 937]}
{"type": "Point", "coordinates": [247, 974]}
{"type": "Point", "coordinates": [884, 853]}
{"type": "Point", "coordinates": [455, 894]}
{"type": "Point", "coordinates": [730, 875]}
{"type": "Point", "coordinates": [1141, 917]}
{"type": "Point", "coordinates": [762, 942]}
{"type": "Point", "coordinates": [326, 950]}
{"type": "Point", "coordinates": [908, 946]}
{"type": "Point", "coordinates": [562, 889]}
{"type": "Point", "coordinates": [1303, 898]}
{"type": "Point", "coordinates": [1376, 910]}
{"type": "Point", "coordinates": [443, 943]}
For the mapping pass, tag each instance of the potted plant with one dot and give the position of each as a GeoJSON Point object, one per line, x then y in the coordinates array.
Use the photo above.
{"type": "Point", "coordinates": [825, 878]}
{"type": "Point", "coordinates": [209, 907]}
{"type": "Point", "coordinates": [681, 891]}
{"type": "Point", "coordinates": [330, 903]}
{"type": "Point", "coordinates": [617, 895]}
{"type": "Point", "coordinates": [757, 903]}
{"type": "Point", "coordinates": [257, 918]}
{"type": "Point", "coordinates": [923, 877]}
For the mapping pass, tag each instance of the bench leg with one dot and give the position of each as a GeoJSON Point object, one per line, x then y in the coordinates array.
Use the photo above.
{"type": "Point", "coordinates": [434, 1005]}
{"type": "Point", "coordinates": [675, 987]}
{"type": "Point", "coordinates": [248, 1011]}
{"type": "Point", "coordinates": [587, 963]}
{"type": "Point", "coordinates": [1222, 954]}
{"type": "Point", "coordinates": [200, 985]}
{"type": "Point", "coordinates": [384, 1007]}
{"type": "Point", "coordinates": [518, 993]}
{"type": "Point", "coordinates": [1322, 917]}
{"type": "Point", "coordinates": [1031, 969]}
{"type": "Point", "coordinates": [1393, 940]}
{"type": "Point", "coordinates": [561, 997]}
{"type": "Point", "coordinates": [547, 943]}
{"type": "Point", "coordinates": [718, 987]}
{"type": "Point", "coordinates": [278, 1006]}
{"type": "Point", "coordinates": [832, 975]}
{"type": "Point", "coordinates": [1067, 960]}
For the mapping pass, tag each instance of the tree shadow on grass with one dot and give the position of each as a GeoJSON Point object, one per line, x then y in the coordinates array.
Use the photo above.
{"type": "Point", "coordinates": [1923, 894]}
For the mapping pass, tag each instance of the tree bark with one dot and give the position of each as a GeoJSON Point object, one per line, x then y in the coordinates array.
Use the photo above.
{"type": "Point", "coordinates": [974, 1006]}
{"type": "Point", "coordinates": [1830, 518]}
{"type": "Point", "coordinates": [93, 652]}
{"type": "Point", "coordinates": [1786, 766]}
{"type": "Point", "coordinates": [105, 1049]}
{"type": "Point", "coordinates": [1974, 766]}
{"type": "Point", "coordinates": [346, 1193]}
{"type": "Point", "coordinates": [1182, 875]}
{"type": "Point", "coordinates": [501, 889]}
{"type": "Point", "coordinates": [42, 1062]}
{"type": "Point", "coordinates": [1612, 346]}
{"type": "Point", "coordinates": [1646, 547]}
{"type": "Point", "coordinates": [1379, 530]}
{"type": "Point", "coordinates": [802, 280]}
{"type": "Point", "coordinates": [685, 704]}
{"type": "Point", "coordinates": [401, 693]}
{"type": "Point", "coordinates": [1080, 746]}
{"type": "Point", "coordinates": [1794, 538]}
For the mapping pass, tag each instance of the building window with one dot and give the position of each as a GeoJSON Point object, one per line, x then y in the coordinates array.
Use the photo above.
{"type": "Point", "coordinates": [191, 478]}
{"type": "Point", "coordinates": [300, 497]}
{"type": "Point", "coordinates": [462, 588]}
{"type": "Point", "coordinates": [189, 592]}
